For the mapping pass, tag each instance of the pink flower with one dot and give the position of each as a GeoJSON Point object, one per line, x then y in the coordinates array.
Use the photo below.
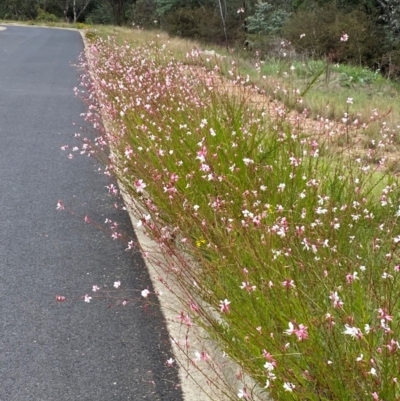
{"type": "Point", "coordinates": [95, 288]}
{"type": "Point", "coordinates": [224, 306]}
{"type": "Point", "coordinates": [87, 299]}
{"type": "Point", "coordinates": [301, 332]}
{"type": "Point", "coordinates": [382, 313]}
{"type": "Point", "coordinates": [60, 298]}
{"type": "Point", "coordinates": [344, 37]}
{"type": "Point", "coordinates": [351, 277]}
{"type": "Point", "coordinates": [246, 286]}
{"type": "Point", "coordinates": [337, 303]}
{"type": "Point", "coordinates": [60, 205]}
{"type": "Point", "coordinates": [288, 284]}
{"type": "Point", "coordinates": [140, 186]}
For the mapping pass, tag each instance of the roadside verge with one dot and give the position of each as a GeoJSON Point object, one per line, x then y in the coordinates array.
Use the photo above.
{"type": "Point", "coordinates": [213, 377]}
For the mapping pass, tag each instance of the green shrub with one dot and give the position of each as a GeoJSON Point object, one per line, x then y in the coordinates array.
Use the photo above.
{"type": "Point", "coordinates": [101, 14]}
{"type": "Point", "coordinates": [318, 33]}
{"type": "Point", "coordinates": [202, 23]}
{"type": "Point", "coordinates": [91, 35]}
{"type": "Point", "coordinates": [143, 13]}
{"type": "Point", "coordinates": [44, 16]}
{"type": "Point", "coordinates": [81, 25]}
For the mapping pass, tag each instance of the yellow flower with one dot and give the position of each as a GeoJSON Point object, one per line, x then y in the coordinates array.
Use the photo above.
{"type": "Point", "coordinates": [200, 242]}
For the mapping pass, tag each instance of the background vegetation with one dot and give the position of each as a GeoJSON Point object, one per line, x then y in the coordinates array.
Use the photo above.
{"type": "Point", "coordinates": [310, 27]}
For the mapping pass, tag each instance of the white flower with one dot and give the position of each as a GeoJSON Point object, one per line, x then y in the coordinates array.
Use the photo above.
{"type": "Point", "coordinates": [248, 161]}
{"type": "Point", "coordinates": [290, 330]}
{"type": "Point", "coordinates": [243, 394]}
{"type": "Point", "coordinates": [87, 298]}
{"type": "Point", "coordinates": [145, 293]}
{"type": "Point", "coordinates": [269, 366]}
{"type": "Point", "coordinates": [352, 331]}
{"type": "Point", "coordinates": [117, 284]}
{"type": "Point", "coordinates": [289, 387]}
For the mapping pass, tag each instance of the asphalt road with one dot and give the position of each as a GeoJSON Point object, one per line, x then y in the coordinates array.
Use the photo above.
{"type": "Point", "coordinates": [72, 350]}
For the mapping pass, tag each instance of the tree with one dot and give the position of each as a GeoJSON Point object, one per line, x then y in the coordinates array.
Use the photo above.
{"type": "Point", "coordinates": [78, 7]}
{"type": "Point", "coordinates": [391, 17]}
{"type": "Point", "coordinates": [118, 8]}
{"type": "Point", "coordinates": [268, 18]}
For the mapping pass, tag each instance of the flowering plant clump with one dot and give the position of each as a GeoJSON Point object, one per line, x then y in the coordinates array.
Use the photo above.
{"type": "Point", "coordinates": [287, 250]}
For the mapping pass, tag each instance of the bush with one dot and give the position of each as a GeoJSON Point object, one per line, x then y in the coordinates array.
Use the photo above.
{"type": "Point", "coordinates": [44, 16]}
{"type": "Point", "coordinates": [323, 28]}
{"type": "Point", "coordinates": [102, 14]}
{"type": "Point", "coordinates": [297, 246]}
{"type": "Point", "coordinates": [202, 23]}
{"type": "Point", "coordinates": [143, 13]}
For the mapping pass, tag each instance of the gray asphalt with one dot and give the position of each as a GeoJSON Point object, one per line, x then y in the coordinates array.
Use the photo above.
{"type": "Point", "coordinates": [72, 350]}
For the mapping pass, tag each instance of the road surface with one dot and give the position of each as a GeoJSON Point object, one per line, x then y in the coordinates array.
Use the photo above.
{"type": "Point", "coordinates": [73, 350]}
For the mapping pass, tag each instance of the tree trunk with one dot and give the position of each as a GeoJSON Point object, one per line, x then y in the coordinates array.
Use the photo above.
{"type": "Point", "coordinates": [83, 8]}
{"type": "Point", "coordinates": [65, 11]}
{"type": "Point", "coordinates": [223, 22]}
{"type": "Point", "coordinates": [74, 10]}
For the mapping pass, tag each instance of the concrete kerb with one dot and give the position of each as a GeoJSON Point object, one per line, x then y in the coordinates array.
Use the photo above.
{"type": "Point", "coordinates": [196, 379]}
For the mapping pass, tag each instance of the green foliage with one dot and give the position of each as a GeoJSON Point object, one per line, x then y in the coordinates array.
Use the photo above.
{"type": "Point", "coordinates": [3, 12]}
{"type": "Point", "coordinates": [201, 23]}
{"type": "Point", "coordinates": [91, 35]}
{"type": "Point", "coordinates": [299, 240]}
{"type": "Point", "coordinates": [165, 6]}
{"type": "Point", "coordinates": [323, 28]}
{"type": "Point", "coordinates": [143, 13]}
{"type": "Point", "coordinates": [44, 16]}
{"type": "Point", "coordinates": [351, 76]}
{"type": "Point", "coordinates": [81, 25]}
{"type": "Point", "coordinates": [267, 19]}
{"type": "Point", "coordinates": [101, 14]}
{"type": "Point", "coordinates": [391, 16]}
